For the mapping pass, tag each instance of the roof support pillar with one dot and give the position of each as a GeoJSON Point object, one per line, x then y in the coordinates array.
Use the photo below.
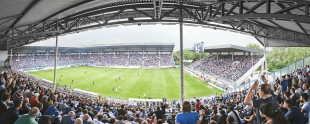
{"type": "Point", "coordinates": [181, 55]}
{"type": "Point", "coordinates": [265, 54]}
{"type": "Point", "coordinates": [55, 63]}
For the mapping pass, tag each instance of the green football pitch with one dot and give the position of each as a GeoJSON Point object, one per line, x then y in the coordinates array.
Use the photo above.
{"type": "Point", "coordinates": [154, 83]}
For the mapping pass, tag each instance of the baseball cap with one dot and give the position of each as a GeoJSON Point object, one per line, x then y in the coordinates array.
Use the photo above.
{"type": "Point", "coordinates": [36, 94]}
{"type": "Point", "coordinates": [2, 81]}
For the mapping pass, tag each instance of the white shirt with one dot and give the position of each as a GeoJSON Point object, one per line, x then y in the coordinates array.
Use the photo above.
{"type": "Point", "coordinates": [96, 121]}
{"type": "Point", "coordinates": [233, 115]}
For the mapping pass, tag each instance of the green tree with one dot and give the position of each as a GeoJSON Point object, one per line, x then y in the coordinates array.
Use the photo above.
{"type": "Point", "coordinates": [283, 56]}
{"type": "Point", "coordinates": [188, 55]}
{"type": "Point", "coordinates": [254, 46]}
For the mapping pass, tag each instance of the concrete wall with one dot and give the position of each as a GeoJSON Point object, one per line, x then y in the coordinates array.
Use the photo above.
{"type": "Point", "coordinates": [3, 57]}
{"type": "Point", "coordinates": [3, 52]}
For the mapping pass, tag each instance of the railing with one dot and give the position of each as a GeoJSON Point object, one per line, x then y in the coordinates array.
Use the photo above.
{"type": "Point", "coordinates": [273, 75]}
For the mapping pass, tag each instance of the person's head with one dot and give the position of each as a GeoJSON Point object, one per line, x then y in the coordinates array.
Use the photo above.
{"type": "Point", "coordinates": [36, 95]}
{"type": "Point", "coordinates": [100, 117]}
{"type": "Point", "coordinates": [85, 111]}
{"type": "Point", "coordinates": [215, 111]}
{"type": "Point", "coordinates": [265, 89]}
{"type": "Point", "coordinates": [304, 97]}
{"type": "Point", "coordinates": [159, 121]}
{"type": "Point", "coordinates": [283, 77]}
{"type": "Point", "coordinates": [40, 106]}
{"type": "Point", "coordinates": [212, 122]}
{"type": "Point", "coordinates": [144, 122]}
{"type": "Point", "coordinates": [44, 98]}
{"type": "Point", "coordinates": [222, 112]}
{"type": "Point", "coordinates": [71, 113]}
{"type": "Point", "coordinates": [45, 119]}
{"type": "Point", "coordinates": [125, 118]}
{"type": "Point", "coordinates": [229, 119]}
{"type": "Point", "coordinates": [268, 111]}
{"type": "Point", "coordinates": [6, 97]}
{"type": "Point", "coordinates": [71, 105]}
{"type": "Point", "coordinates": [131, 118]}
{"type": "Point", "coordinates": [120, 117]}
{"type": "Point", "coordinates": [186, 107]}
{"type": "Point", "coordinates": [288, 103]}
{"type": "Point", "coordinates": [18, 103]}
{"type": "Point", "coordinates": [137, 115]}
{"type": "Point", "coordinates": [55, 104]}
{"type": "Point", "coordinates": [286, 94]}
{"type": "Point", "coordinates": [112, 120]}
{"type": "Point", "coordinates": [173, 115]}
{"type": "Point", "coordinates": [78, 121]}
{"type": "Point", "coordinates": [122, 106]}
{"type": "Point", "coordinates": [292, 90]}
{"type": "Point", "coordinates": [86, 117]}
{"type": "Point", "coordinates": [34, 112]}
{"type": "Point", "coordinates": [305, 86]}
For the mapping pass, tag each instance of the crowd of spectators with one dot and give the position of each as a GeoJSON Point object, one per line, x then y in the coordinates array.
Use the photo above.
{"type": "Point", "coordinates": [38, 62]}
{"type": "Point", "coordinates": [225, 66]}
{"type": "Point", "coordinates": [283, 101]}
{"type": "Point", "coordinates": [25, 101]}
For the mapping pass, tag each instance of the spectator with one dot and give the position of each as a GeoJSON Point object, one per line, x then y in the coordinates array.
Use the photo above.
{"type": "Point", "coordinates": [294, 116]}
{"type": "Point", "coordinates": [214, 115]}
{"type": "Point", "coordinates": [34, 100]}
{"type": "Point", "coordinates": [159, 113]}
{"type": "Point", "coordinates": [120, 120]}
{"type": "Point", "coordinates": [40, 106]}
{"type": "Point", "coordinates": [105, 119]}
{"type": "Point", "coordinates": [63, 106]}
{"type": "Point", "coordinates": [68, 109]}
{"type": "Point", "coordinates": [3, 103]}
{"type": "Point", "coordinates": [172, 119]}
{"type": "Point", "coordinates": [272, 115]}
{"type": "Point", "coordinates": [235, 114]}
{"type": "Point", "coordinates": [187, 117]}
{"type": "Point", "coordinates": [28, 118]}
{"type": "Point", "coordinates": [306, 104]}
{"type": "Point", "coordinates": [68, 119]}
{"type": "Point", "coordinates": [25, 108]}
{"type": "Point", "coordinates": [266, 95]}
{"type": "Point", "coordinates": [222, 118]}
{"type": "Point", "coordinates": [137, 119]}
{"type": "Point", "coordinates": [121, 111]}
{"type": "Point", "coordinates": [11, 114]}
{"type": "Point", "coordinates": [79, 121]}
{"type": "Point", "coordinates": [52, 109]}
{"type": "Point", "coordinates": [230, 120]}
{"type": "Point", "coordinates": [86, 118]}
{"type": "Point", "coordinates": [131, 120]}
{"type": "Point", "coordinates": [45, 103]}
{"type": "Point", "coordinates": [97, 119]}
{"type": "Point", "coordinates": [45, 119]}
{"type": "Point", "coordinates": [2, 84]}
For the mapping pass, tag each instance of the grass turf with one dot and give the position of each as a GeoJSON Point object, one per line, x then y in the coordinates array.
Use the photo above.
{"type": "Point", "coordinates": [155, 83]}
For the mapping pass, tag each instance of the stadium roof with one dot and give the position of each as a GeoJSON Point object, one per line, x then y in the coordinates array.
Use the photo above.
{"type": "Point", "coordinates": [231, 48]}
{"type": "Point", "coordinates": [281, 22]}
{"type": "Point", "coordinates": [151, 47]}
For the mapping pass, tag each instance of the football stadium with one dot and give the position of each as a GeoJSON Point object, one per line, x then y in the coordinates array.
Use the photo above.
{"type": "Point", "coordinates": [154, 62]}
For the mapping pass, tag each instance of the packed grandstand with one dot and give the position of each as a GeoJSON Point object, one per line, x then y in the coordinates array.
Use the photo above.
{"type": "Point", "coordinates": [131, 55]}
{"type": "Point", "coordinates": [226, 67]}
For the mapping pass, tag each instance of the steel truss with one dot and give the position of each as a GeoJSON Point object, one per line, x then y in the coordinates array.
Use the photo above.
{"type": "Point", "coordinates": [225, 15]}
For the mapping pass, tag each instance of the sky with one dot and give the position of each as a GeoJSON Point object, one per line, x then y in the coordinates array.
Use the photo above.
{"type": "Point", "coordinates": [150, 34]}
